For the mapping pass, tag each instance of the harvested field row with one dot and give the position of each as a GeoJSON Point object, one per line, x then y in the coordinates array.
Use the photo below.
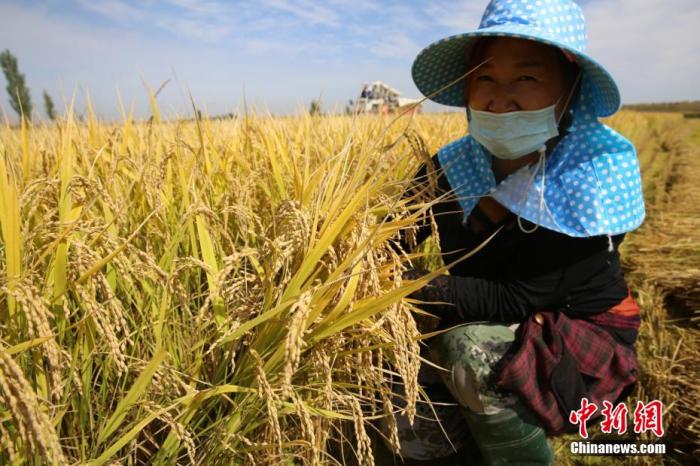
{"type": "Point", "coordinates": [663, 261]}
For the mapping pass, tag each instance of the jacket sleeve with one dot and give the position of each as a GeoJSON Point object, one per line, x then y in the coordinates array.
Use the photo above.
{"type": "Point", "coordinates": [540, 277]}
{"type": "Point", "coordinates": [477, 299]}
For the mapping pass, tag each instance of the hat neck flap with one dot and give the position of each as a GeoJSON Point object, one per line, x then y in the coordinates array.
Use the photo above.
{"type": "Point", "coordinates": [592, 180]}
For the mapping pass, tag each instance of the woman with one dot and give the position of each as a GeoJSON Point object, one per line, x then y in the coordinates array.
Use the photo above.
{"type": "Point", "coordinates": [557, 191]}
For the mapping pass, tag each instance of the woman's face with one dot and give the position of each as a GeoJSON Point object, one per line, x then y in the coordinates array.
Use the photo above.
{"type": "Point", "coordinates": [520, 75]}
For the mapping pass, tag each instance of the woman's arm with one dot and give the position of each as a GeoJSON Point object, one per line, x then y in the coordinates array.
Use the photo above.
{"type": "Point", "coordinates": [550, 272]}
{"type": "Point", "coordinates": [472, 299]}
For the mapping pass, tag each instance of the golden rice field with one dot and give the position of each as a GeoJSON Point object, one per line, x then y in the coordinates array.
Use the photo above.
{"type": "Point", "coordinates": [224, 291]}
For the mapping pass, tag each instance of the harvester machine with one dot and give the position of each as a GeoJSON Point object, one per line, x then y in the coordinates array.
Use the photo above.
{"type": "Point", "coordinates": [379, 97]}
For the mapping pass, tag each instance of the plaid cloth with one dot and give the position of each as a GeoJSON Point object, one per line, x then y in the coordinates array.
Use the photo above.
{"type": "Point", "coordinates": [556, 360]}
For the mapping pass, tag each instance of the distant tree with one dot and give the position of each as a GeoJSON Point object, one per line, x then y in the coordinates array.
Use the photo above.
{"type": "Point", "coordinates": [315, 107]}
{"type": "Point", "coordinates": [20, 101]}
{"type": "Point", "coordinates": [48, 104]}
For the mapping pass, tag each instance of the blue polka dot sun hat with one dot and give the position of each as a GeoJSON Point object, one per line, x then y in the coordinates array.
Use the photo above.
{"type": "Point", "coordinates": [559, 23]}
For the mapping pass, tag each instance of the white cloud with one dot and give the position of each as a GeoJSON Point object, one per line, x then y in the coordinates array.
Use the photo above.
{"type": "Point", "coordinates": [456, 15]}
{"type": "Point", "coordinates": [306, 10]}
{"type": "Point", "coordinates": [207, 21]}
{"type": "Point", "coordinates": [396, 45]}
{"type": "Point", "coordinates": [408, 19]}
{"type": "Point", "coordinates": [195, 29]}
{"type": "Point", "coordinates": [70, 53]}
{"type": "Point", "coordinates": [358, 5]}
{"type": "Point", "coordinates": [115, 9]}
{"type": "Point", "coordinates": [199, 7]}
{"type": "Point", "coordinates": [652, 48]}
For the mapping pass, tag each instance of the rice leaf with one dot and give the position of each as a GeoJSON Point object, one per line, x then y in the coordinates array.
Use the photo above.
{"type": "Point", "coordinates": [10, 227]}
{"type": "Point", "coordinates": [136, 391]}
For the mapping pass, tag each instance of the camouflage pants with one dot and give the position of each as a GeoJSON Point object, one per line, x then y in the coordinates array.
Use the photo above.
{"type": "Point", "coordinates": [469, 355]}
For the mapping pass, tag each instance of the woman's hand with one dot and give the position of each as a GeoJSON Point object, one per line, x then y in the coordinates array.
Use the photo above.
{"type": "Point", "coordinates": [434, 292]}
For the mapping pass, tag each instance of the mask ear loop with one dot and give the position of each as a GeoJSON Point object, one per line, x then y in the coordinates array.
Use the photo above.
{"type": "Point", "coordinates": [541, 166]}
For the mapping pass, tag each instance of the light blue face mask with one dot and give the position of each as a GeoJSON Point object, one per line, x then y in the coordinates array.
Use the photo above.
{"type": "Point", "coordinates": [514, 134]}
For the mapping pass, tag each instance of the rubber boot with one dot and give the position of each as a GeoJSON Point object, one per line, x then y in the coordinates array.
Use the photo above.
{"type": "Point", "coordinates": [510, 437]}
{"type": "Point", "coordinates": [506, 431]}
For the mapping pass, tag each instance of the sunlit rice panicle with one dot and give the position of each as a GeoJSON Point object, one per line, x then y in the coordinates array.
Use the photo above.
{"type": "Point", "coordinates": [406, 356]}
{"type": "Point", "coordinates": [309, 427]}
{"type": "Point", "coordinates": [266, 393]}
{"type": "Point", "coordinates": [34, 427]}
{"type": "Point", "coordinates": [364, 443]}
{"type": "Point", "coordinates": [392, 436]}
{"type": "Point", "coordinates": [294, 342]}
{"type": "Point", "coordinates": [39, 324]}
{"type": "Point", "coordinates": [8, 445]}
{"type": "Point", "coordinates": [182, 434]}
{"type": "Point", "coordinates": [108, 319]}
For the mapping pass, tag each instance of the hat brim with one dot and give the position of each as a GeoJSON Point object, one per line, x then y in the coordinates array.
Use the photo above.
{"type": "Point", "coordinates": [446, 60]}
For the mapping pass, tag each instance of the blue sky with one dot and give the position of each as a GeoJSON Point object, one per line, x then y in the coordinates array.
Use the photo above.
{"type": "Point", "coordinates": [281, 54]}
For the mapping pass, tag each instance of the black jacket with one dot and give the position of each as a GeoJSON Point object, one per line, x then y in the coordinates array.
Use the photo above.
{"type": "Point", "coordinates": [518, 273]}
